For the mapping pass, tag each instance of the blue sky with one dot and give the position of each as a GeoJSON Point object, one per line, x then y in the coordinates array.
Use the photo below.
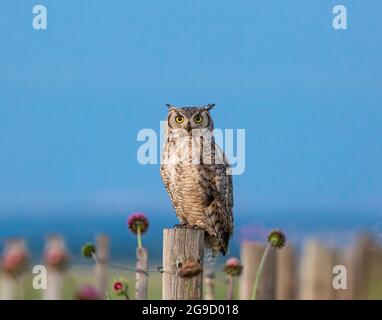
{"type": "Point", "coordinates": [73, 98]}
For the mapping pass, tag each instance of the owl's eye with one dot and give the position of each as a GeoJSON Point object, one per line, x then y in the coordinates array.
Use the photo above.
{"type": "Point", "coordinates": [198, 118]}
{"type": "Point", "coordinates": [179, 119]}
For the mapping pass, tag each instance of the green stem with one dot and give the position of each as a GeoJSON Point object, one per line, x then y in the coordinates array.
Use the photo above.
{"type": "Point", "coordinates": [260, 270]}
{"type": "Point", "coordinates": [230, 288]}
{"type": "Point", "coordinates": [139, 236]}
{"type": "Point", "coordinates": [94, 258]}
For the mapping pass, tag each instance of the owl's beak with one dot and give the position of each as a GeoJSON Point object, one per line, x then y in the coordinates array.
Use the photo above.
{"type": "Point", "coordinates": [189, 126]}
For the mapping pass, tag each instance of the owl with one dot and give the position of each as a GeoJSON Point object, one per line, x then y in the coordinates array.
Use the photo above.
{"type": "Point", "coordinates": [197, 175]}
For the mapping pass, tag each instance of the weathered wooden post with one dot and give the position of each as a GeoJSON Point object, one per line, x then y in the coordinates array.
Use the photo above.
{"type": "Point", "coordinates": [141, 274]}
{"type": "Point", "coordinates": [13, 264]}
{"type": "Point", "coordinates": [56, 259]}
{"type": "Point", "coordinates": [285, 274]}
{"type": "Point", "coordinates": [361, 258]}
{"type": "Point", "coordinates": [343, 258]}
{"type": "Point", "coordinates": [209, 285]}
{"type": "Point", "coordinates": [267, 290]}
{"type": "Point", "coordinates": [9, 288]}
{"type": "Point", "coordinates": [230, 287]}
{"type": "Point", "coordinates": [316, 282]}
{"type": "Point", "coordinates": [250, 257]}
{"type": "Point", "coordinates": [251, 253]}
{"type": "Point", "coordinates": [102, 257]}
{"type": "Point", "coordinates": [183, 253]}
{"type": "Point", "coordinates": [375, 274]}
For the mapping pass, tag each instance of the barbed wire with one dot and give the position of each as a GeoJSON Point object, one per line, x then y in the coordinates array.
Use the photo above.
{"type": "Point", "coordinates": [145, 272]}
{"type": "Point", "coordinates": [114, 266]}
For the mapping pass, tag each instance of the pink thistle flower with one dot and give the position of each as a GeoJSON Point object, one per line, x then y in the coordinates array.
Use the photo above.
{"type": "Point", "coordinates": [138, 221]}
{"type": "Point", "coordinates": [56, 257]}
{"type": "Point", "coordinates": [14, 260]}
{"type": "Point", "coordinates": [233, 267]}
{"type": "Point", "coordinates": [138, 224]}
{"type": "Point", "coordinates": [55, 254]}
{"type": "Point", "coordinates": [121, 287]}
{"type": "Point", "coordinates": [88, 293]}
{"type": "Point", "coordinates": [118, 286]}
{"type": "Point", "coordinates": [233, 262]}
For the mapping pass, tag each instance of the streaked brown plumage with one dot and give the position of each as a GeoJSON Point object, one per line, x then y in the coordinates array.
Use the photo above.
{"type": "Point", "coordinates": [199, 186]}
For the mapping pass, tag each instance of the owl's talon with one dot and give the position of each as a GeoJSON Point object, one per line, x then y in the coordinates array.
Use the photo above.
{"type": "Point", "coordinates": [180, 226]}
{"type": "Point", "coordinates": [187, 226]}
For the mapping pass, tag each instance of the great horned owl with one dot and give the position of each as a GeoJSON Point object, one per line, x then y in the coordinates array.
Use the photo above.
{"type": "Point", "coordinates": [197, 175]}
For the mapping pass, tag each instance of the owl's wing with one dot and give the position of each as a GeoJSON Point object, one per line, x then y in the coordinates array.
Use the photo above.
{"type": "Point", "coordinates": [223, 182]}
{"type": "Point", "coordinates": [221, 208]}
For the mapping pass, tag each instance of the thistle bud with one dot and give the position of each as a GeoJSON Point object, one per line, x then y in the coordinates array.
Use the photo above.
{"type": "Point", "coordinates": [88, 250]}
{"type": "Point", "coordinates": [277, 239]}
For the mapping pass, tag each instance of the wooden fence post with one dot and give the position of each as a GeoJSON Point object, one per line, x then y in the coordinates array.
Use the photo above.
{"type": "Point", "coordinates": [183, 253]}
{"type": "Point", "coordinates": [344, 258]}
{"type": "Point", "coordinates": [141, 274]}
{"type": "Point", "coordinates": [361, 266]}
{"type": "Point", "coordinates": [375, 274]}
{"type": "Point", "coordinates": [14, 262]}
{"type": "Point", "coordinates": [230, 286]}
{"type": "Point", "coordinates": [209, 285]}
{"type": "Point", "coordinates": [285, 273]}
{"type": "Point", "coordinates": [316, 271]}
{"type": "Point", "coordinates": [251, 253]}
{"type": "Point", "coordinates": [250, 257]}
{"type": "Point", "coordinates": [9, 288]}
{"type": "Point", "coordinates": [100, 269]}
{"type": "Point", "coordinates": [56, 260]}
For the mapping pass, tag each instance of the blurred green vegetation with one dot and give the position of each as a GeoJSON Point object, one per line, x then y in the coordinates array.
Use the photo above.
{"type": "Point", "coordinates": [76, 277]}
{"type": "Point", "coordinates": [79, 276]}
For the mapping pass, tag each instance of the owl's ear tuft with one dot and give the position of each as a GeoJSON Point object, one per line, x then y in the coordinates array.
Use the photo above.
{"type": "Point", "coordinates": [170, 107]}
{"type": "Point", "coordinates": [209, 106]}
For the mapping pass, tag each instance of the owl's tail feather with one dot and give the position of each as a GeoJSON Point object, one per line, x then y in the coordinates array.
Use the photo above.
{"type": "Point", "coordinates": [212, 248]}
{"type": "Point", "coordinates": [216, 236]}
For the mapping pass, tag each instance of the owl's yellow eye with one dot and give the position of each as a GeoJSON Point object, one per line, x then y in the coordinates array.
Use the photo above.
{"type": "Point", "coordinates": [179, 119]}
{"type": "Point", "coordinates": [198, 118]}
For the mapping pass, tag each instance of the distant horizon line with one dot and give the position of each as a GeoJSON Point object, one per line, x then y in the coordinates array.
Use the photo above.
{"type": "Point", "coordinates": [159, 211]}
